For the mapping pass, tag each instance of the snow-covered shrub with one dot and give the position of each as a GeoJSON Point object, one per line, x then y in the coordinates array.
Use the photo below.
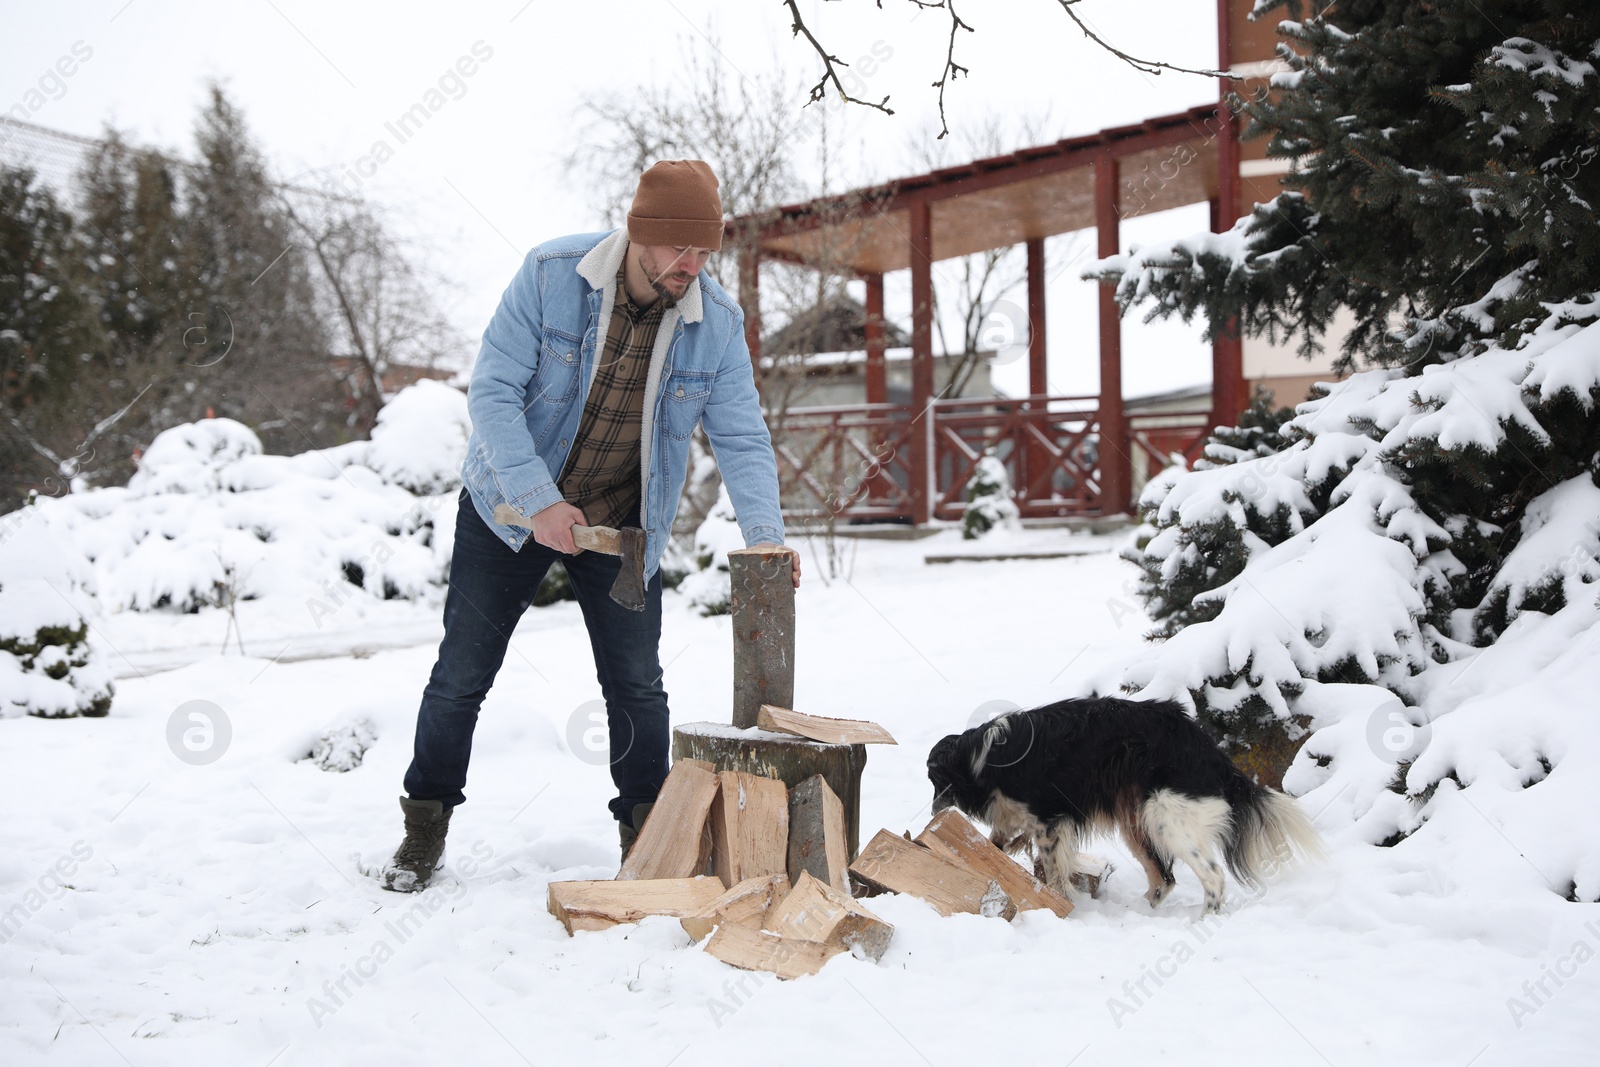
{"type": "Point", "coordinates": [709, 589]}
{"type": "Point", "coordinates": [421, 438]}
{"type": "Point", "coordinates": [208, 516]}
{"type": "Point", "coordinates": [989, 499]}
{"type": "Point", "coordinates": [48, 665]}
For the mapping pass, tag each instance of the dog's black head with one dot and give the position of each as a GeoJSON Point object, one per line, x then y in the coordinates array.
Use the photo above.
{"type": "Point", "coordinates": [942, 763]}
{"type": "Point", "coordinates": [957, 764]}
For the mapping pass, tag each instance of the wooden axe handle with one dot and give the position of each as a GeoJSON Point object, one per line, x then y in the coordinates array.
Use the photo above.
{"type": "Point", "coordinates": [601, 539]}
{"type": "Point", "coordinates": [598, 539]}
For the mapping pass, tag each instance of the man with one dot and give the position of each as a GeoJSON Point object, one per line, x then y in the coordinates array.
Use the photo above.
{"type": "Point", "coordinates": [606, 352]}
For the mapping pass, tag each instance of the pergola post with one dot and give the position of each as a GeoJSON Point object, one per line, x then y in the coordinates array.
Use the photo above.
{"type": "Point", "coordinates": [878, 485]}
{"type": "Point", "coordinates": [877, 374]}
{"type": "Point", "coordinates": [1227, 347]}
{"type": "Point", "coordinates": [921, 438]}
{"type": "Point", "coordinates": [750, 300]}
{"type": "Point", "coordinates": [1033, 462]}
{"type": "Point", "coordinates": [1116, 474]}
{"type": "Point", "coordinates": [1038, 377]}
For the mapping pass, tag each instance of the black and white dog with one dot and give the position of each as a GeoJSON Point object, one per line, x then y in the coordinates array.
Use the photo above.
{"type": "Point", "coordinates": [1054, 776]}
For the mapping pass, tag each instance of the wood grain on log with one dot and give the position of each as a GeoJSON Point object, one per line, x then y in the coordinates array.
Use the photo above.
{"type": "Point", "coordinates": [598, 905]}
{"type": "Point", "coordinates": [901, 866]}
{"type": "Point", "coordinates": [757, 950]}
{"type": "Point", "coordinates": [745, 904]}
{"type": "Point", "coordinates": [815, 911]}
{"type": "Point", "coordinates": [675, 840]}
{"type": "Point", "coordinates": [822, 728]}
{"type": "Point", "coordinates": [749, 827]}
{"type": "Point", "coordinates": [951, 835]}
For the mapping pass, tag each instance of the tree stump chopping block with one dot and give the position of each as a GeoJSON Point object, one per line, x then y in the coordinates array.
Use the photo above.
{"type": "Point", "coordinates": [763, 631]}
{"type": "Point", "coordinates": [782, 756]}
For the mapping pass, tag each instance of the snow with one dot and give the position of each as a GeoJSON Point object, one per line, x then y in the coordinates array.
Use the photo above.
{"type": "Point", "coordinates": [1538, 60]}
{"type": "Point", "coordinates": [219, 911]}
{"type": "Point", "coordinates": [182, 889]}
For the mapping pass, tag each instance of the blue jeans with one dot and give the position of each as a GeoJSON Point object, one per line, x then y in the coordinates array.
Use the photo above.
{"type": "Point", "coordinates": [490, 587]}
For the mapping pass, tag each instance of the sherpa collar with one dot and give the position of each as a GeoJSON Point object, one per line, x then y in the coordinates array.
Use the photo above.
{"type": "Point", "coordinates": [600, 264]}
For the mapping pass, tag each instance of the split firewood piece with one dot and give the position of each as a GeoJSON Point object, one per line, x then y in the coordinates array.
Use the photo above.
{"type": "Point", "coordinates": [819, 841]}
{"type": "Point", "coordinates": [746, 904]}
{"type": "Point", "coordinates": [599, 905]}
{"type": "Point", "coordinates": [1091, 878]}
{"type": "Point", "coordinates": [821, 728]}
{"type": "Point", "coordinates": [675, 840]}
{"type": "Point", "coordinates": [815, 911]}
{"type": "Point", "coordinates": [901, 866]}
{"type": "Point", "coordinates": [749, 827]}
{"type": "Point", "coordinates": [952, 836]}
{"type": "Point", "coordinates": [758, 950]}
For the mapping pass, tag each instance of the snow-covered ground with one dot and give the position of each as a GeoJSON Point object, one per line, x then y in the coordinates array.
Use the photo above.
{"type": "Point", "coordinates": [160, 910]}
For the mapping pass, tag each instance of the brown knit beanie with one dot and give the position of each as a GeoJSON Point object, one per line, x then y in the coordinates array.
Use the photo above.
{"type": "Point", "coordinates": [677, 205]}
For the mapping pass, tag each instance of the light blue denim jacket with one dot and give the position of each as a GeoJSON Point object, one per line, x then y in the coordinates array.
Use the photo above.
{"type": "Point", "coordinates": [532, 380]}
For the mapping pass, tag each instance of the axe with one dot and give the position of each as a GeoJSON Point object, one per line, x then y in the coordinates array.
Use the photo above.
{"type": "Point", "coordinates": [628, 589]}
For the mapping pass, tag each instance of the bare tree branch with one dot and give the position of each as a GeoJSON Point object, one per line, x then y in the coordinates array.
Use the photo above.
{"type": "Point", "coordinates": [819, 91]}
{"type": "Point", "coordinates": [952, 69]}
{"type": "Point", "coordinates": [1147, 66]}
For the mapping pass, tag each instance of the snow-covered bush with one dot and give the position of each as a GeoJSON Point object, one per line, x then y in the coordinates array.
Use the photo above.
{"type": "Point", "coordinates": [48, 665]}
{"type": "Point", "coordinates": [708, 587]}
{"type": "Point", "coordinates": [208, 517]}
{"type": "Point", "coordinates": [989, 499]}
{"type": "Point", "coordinates": [421, 439]}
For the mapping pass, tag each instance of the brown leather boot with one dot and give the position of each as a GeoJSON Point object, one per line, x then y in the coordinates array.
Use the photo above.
{"type": "Point", "coordinates": [629, 832]}
{"type": "Point", "coordinates": [418, 856]}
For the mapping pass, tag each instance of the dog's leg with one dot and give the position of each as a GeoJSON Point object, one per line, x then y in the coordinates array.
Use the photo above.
{"type": "Point", "coordinates": [1059, 860]}
{"type": "Point", "coordinates": [1157, 868]}
{"type": "Point", "coordinates": [1189, 829]}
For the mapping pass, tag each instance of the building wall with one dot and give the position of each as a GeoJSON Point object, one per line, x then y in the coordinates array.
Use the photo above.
{"type": "Point", "coordinates": [1253, 55]}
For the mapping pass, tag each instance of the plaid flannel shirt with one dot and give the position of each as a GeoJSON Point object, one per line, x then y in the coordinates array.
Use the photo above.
{"type": "Point", "coordinates": [602, 472]}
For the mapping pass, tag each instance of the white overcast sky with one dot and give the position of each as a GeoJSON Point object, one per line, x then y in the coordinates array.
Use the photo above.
{"type": "Point", "coordinates": [482, 182]}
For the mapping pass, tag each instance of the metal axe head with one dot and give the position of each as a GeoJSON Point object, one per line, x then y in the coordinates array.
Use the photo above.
{"type": "Point", "coordinates": [628, 589]}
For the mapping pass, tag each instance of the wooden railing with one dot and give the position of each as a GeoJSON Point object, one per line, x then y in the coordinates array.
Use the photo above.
{"type": "Point", "coordinates": [857, 461]}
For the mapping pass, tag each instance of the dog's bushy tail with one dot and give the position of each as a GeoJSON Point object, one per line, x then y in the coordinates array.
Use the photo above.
{"type": "Point", "coordinates": [1270, 832]}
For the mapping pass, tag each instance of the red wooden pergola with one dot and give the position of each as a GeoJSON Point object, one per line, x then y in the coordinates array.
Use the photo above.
{"type": "Point", "coordinates": [1070, 455]}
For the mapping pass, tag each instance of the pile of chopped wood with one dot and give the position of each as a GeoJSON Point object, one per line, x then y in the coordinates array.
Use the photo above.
{"type": "Point", "coordinates": [760, 872]}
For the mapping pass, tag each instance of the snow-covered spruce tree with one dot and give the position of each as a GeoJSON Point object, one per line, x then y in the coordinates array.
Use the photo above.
{"type": "Point", "coordinates": [1215, 550]}
{"type": "Point", "coordinates": [1443, 192]}
{"type": "Point", "coordinates": [989, 502]}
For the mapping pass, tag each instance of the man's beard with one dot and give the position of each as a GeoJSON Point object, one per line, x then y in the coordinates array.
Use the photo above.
{"type": "Point", "coordinates": [667, 299]}
{"type": "Point", "coordinates": [655, 277]}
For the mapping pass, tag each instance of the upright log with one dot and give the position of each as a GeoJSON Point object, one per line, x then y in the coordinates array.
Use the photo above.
{"type": "Point", "coordinates": [763, 631]}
